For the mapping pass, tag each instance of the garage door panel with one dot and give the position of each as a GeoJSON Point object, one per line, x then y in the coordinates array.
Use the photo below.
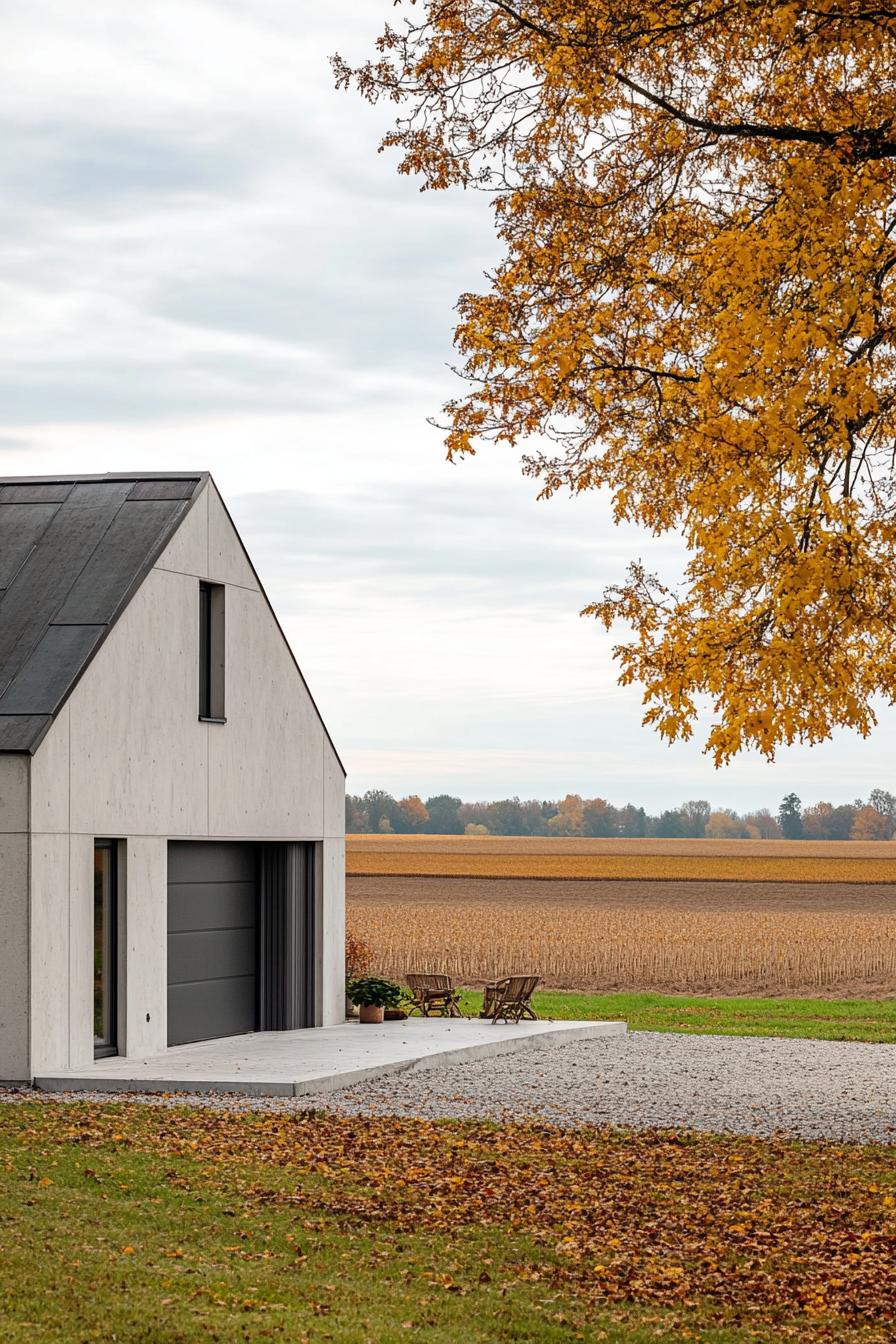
{"type": "Point", "coordinates": [211, 861]}
{"type": "Point", "coordinates": [210, 954]}
{"type": "Point", "coordinates": [212, 940]}
{"type": "Point", "coordinates": [209, 905]}
{"type": "Point", "coordinates": [200, 1012]}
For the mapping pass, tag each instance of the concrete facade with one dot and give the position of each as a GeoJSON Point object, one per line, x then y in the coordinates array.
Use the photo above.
{"type": "Point", "coordinates": [127, 758]}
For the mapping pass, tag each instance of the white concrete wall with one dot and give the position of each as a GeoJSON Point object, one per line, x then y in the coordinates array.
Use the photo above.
{"type": "Point", "coordinates": [333, 893]}
{"type": "Point", "coordinates": [128, 758]}
{"type": "Point", "coordinates": [80, 949]}
{"type": "Point", "coordinates": [332, 988]}
{"type": "Point", "coordinates": [143, 979]}
{"type": "Point", "coordinates": [14, 1050]}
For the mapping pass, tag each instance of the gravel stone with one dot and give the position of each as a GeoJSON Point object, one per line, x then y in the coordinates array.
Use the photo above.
{"type": "Point", "coordinates": [840, 1090]}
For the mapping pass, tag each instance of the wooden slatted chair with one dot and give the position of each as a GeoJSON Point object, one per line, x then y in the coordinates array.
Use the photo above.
{"type": "Point", "coordinates": [433, 994]}
{"type": "Point", "coordinates": [510, 998]}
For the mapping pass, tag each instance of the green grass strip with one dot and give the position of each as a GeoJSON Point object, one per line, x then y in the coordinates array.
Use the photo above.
{"type": "Point", "coordinates": [811, 1019]}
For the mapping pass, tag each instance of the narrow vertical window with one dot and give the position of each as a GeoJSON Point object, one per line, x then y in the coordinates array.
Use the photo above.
{"type": "Point", "coordinates": [211, 651]}
{"type": "Point", "coordinates": [105, 949]}
{"type": "Point", "coordinates": [205, 662]}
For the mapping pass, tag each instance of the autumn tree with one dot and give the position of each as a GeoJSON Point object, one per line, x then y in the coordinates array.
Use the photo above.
{"type": "Point", "coordinates": [443, 818]}
{"type": "Point", "coordinates": [531, 818]}
{"type": "Point", "coordinates": [840, 822]}
{"type": "Point", "coordinates": [356, 818]}
{"type": "Point", "coordinates": [505, 817]}
{"type": "Point", "coordinates": [816, 821]}
{"type": "Point", "coordinates": [826, 822]}
{"type": "Point", "coordinates": [631, 821]}
{"type": "Point", "coordinates": [696, 814]}
{"type": "Point", "coordinates": [884, 803]}
{"type": "Point", "coordinates": [414, 815]}
{"type": "Point", "coordinates": [599, 817]}
{"type": "Point", "coordinates": [569, 818]}
{"type": "Point", "coordinates": [371, 811]}
{"type": "Point", "coordinates": [869, 824]}
{"type": "Point", "coordinates": [693, 314]}
{"type": "Point", "coordinates": [762, 825]}
{"type": "Point", "coordinates": [724, 826]}
{"type": "Point", "coordinates": [670, 824]}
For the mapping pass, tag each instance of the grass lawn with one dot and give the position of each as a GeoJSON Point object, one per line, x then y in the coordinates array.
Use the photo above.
{"type": "Point", "coordinates": [816, 1019]}
{"type": "Point", "coordinates": [135, 1223]}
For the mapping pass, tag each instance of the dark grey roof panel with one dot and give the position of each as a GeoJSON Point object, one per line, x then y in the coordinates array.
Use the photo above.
{"type": "Point", "coordinates": [105, 476]}
{"type": "Point", "coordinates": [44, 680]}
{"type": "Point", "coordinates": [21, 528]}
{"type": "Point", "coordinates": [40, 587]}
{"type": "Point", "coordinates": [18, 728]}
{"type": "Point", "coordinates": [162, 490]}
{"type": "Point", "coordinates": [68, 565]}
{"type": "Point", "coordinates": [36, 492]}
{"type": "Point", "coordinates": [131, 538]}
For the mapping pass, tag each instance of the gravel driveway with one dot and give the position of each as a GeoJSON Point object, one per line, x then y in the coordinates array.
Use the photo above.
{"type": "Point", "coordinates": [749, 1085]}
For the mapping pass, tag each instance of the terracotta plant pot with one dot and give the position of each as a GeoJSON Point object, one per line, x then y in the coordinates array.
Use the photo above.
{"type": "Point", "coordinates": [370, 1012]}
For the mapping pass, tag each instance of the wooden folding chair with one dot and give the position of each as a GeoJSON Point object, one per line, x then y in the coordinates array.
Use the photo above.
{"type": "Point", "coordinates": [510, 998]}
{"type": "Point", "coordinates": [433, 994]}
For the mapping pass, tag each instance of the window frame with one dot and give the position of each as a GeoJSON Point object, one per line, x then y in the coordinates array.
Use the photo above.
{"type": "Point", "coordinates": [211, 652]}
{"type": "Point", "coordinates": [106, 1045]}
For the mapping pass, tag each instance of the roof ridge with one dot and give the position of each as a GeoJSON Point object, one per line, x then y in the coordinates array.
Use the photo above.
{"type": "Point", "coordinates": [74, 478]}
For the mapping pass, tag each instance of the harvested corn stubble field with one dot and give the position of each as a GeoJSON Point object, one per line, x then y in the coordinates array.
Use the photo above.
{"type": "Point", "coordinates": [692, 930]}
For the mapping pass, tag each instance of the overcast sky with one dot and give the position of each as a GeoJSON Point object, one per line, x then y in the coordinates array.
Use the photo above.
{"type": "Point", "coordinates": [206, 264]}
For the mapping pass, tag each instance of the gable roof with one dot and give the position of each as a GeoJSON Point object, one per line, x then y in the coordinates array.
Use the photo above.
{"type": "Point", "coordinates": [73, 550]}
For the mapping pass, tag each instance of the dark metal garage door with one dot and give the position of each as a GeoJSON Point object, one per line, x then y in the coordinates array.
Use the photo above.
{"type": "Point", "coordinates": [212, 940]}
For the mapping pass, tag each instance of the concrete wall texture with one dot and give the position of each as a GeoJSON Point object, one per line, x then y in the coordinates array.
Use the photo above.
{"type": "Point", "coordinates": [127, 758]}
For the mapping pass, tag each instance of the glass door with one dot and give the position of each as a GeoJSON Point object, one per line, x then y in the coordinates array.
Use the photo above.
{"type": "Point", "coordinates": [105, 949]}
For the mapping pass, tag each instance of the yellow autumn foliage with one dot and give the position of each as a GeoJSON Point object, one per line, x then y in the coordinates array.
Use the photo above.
{"type": "Point", "coordinates": [693, 313]}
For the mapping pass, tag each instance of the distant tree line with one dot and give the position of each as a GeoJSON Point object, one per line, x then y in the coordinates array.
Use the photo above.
{"type": "Point", "coordinates": [443, 814]}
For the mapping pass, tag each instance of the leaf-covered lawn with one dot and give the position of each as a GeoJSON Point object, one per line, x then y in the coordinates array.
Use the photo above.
{"type": "Point", "coordinates": [813, 1019]}
{"type": "Point", "coordinates": [142, 1223]}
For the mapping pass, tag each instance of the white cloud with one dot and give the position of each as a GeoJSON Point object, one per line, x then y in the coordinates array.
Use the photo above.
{"type": "Point", "coordinates": [204, 263]}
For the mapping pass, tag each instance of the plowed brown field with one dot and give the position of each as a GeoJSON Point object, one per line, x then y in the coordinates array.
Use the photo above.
{"type": "Point", "coordinates": [472, 856]}
{"type": "Point", "coordinates": [706, 931]}
{"type": "Point", "coordinates": [736, 897]}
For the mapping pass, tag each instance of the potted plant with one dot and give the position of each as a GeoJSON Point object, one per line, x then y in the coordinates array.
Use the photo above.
{"type": "Point", "coordinates": [373, 996]}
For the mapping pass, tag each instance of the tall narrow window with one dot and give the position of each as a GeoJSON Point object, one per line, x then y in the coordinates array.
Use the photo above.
{"type": "Point", "coordinates": [211, 651]}
{"type": "Point", "coordinates": [105, 949]}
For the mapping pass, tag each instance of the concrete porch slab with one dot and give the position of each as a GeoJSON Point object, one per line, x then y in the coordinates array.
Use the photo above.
{"type": "Point", "coordinates": [319, 1059]}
